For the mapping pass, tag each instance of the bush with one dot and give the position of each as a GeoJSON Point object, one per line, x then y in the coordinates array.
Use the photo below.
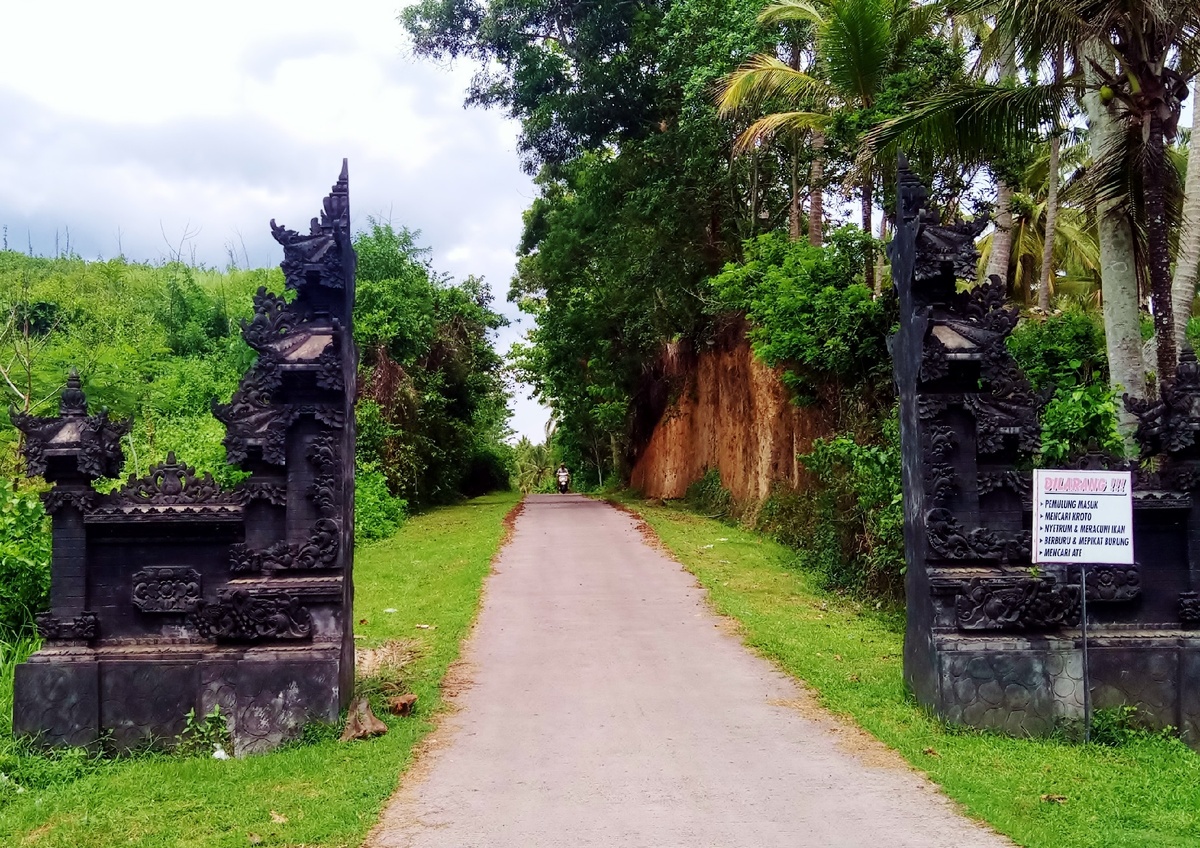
{"type": "Point", "coordinates": [1060, 351]}
{"type": "Point", "coordinates": [490, 469]}
{"type": "Point", "coordinates": [708, 496]}
{"type": "Point", "coordinates": [808, 310]}
{"type": "Point", "coordinates": [24, 560]}
{"type": "Point", "coordinates": [1078, 420]}
{"type": "Point", "coordinates": [848, 523]}
{"type": "Point", "coordinates": [1063, 355]}
{"type": "Point", "coordinates": [377, 513]}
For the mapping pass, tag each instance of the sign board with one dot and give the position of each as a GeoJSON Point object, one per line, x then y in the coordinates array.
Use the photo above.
{"type": "Point", "coordinates": [1082, 516]}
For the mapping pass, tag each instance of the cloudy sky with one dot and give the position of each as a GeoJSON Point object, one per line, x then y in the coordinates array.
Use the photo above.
{"type": "Point", "coordinates": [135, 124]}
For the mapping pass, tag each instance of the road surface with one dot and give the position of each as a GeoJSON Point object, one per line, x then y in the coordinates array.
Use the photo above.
{"type": "Point", "coordinates": [603, 704]}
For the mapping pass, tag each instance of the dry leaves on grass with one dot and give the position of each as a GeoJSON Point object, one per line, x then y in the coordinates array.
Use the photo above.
{"type": "Point", "coordinates": [390, 657]}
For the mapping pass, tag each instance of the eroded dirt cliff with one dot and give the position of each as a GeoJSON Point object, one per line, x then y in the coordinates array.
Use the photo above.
{"type": "Point", "coordinates": [732, 414]}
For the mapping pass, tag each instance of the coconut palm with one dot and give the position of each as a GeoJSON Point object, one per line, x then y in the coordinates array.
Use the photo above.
{"type": "Point", "coordinates": [1127, 57]}
{"type": "Point", "coordinates": [1137, 49]}
{"type": "Point", "coordinates": [1187, 260]}
{"type": "Point", "coordinates": [858, 44]}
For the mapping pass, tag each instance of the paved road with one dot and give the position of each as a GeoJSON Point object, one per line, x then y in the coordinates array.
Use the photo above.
{"type": "Point", "coordinates": [609, 707]}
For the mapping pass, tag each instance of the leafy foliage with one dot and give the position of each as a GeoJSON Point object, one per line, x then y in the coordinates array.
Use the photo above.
{"type": "Point", "coordinates": [24, 559]}
{"type": "Point", "coordinates": [1064, 357]}
{"type": "Point", "coordinates": [848, 524]}
{"type": "Point", "coordinates": [709, 496]}
{"type": "Point", "coordinates": [808, 310]}
{"type": "Point", "coordinates": [433, 417]}
{"type": "Point", "coordinates": [1078, 420]}
{"type": "Point", "coordinates": [1060, 351]}
{"type": "Point", "coordinates": [378, 514]}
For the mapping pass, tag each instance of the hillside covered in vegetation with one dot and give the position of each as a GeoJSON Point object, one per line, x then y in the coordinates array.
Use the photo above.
{"type": "Point", "coordinates": [159, 343]}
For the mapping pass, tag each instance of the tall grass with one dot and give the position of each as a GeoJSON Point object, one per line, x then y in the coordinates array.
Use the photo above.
{"type": "Point", "coordinates": [13, 651]}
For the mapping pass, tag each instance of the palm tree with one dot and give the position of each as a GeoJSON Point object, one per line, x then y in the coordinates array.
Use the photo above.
{"type": "Point", "coordinates": [858, 44]}
{"type": "Point", "coordinates": [1135, 49]}
{"type": "Point", "coordinates": [1127, 55]}
{"type": "Point", "coordinates": [1070, 239]}
{"type": "Point", "coordinates": [1047, 271]}
{"type": "Point", "coordinates": [1187, 260]}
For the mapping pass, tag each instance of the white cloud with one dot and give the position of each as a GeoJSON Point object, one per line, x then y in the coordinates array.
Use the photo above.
{"type": "Point", "coordinates": [149, 118]}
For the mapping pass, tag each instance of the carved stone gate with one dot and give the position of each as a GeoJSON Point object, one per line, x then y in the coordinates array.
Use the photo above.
{"type": "Point", "coordinates": [171, 594]}
{"type": "Point", "coordinates": [991, 640]}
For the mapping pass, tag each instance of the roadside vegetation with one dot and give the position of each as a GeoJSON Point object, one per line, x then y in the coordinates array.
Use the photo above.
{"type": "Point", "coordinates": [157, 343]}
{"type": "Point", "coordinates": [416, 596]}
{"type": "Point", "coordinates": [1129, 789]}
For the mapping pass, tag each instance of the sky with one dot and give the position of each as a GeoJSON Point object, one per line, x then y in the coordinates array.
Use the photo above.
{"type": "Point", "coordinates": [144, 127]}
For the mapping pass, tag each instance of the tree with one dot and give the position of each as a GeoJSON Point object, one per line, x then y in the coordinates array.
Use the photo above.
{"type": "Point", "coordinates": [434, 407]}
{"type": "Point", "coordinates": [1046, 276]}
{"type": "Point", "coordinates": [860, 45]}
{"type": "Point", "coordinates": [1187, 261]}
{"type": "Point", "coordinates": [576, 75]}
{"type": "Point", "coordinates": [1137, 49]}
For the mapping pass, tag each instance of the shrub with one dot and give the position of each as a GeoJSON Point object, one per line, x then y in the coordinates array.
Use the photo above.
{"type": "Point", "coordinates": [377, 513]}
{"type": "Point", "coordinates": [24, 560]}
{"type": "Point", "coordinates": [808, 310]}
{"type": "Point", "coordinates": [1078, 420]}
{"type": "Point", "coordinates": [489, 469]}
{"type": "Point", "coordinates": [708, 496]}
{"type": "Point", "coordinates": [857, 535]}
{"type": "Point", "coordinates": [1064, 355]}
{"type": "Point", "coordinates": [1060, 351]}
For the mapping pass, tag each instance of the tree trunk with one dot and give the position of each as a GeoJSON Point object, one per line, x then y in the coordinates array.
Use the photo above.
{"type": "Point", "coordinates": [1187, 262]}
{"type": "Point", "coordinates": [1118, 274]}
{"type": "Point", "coordinates": [1047, 273]}
{"type": "Point", "coordinates": [1159, 249]}
{"type": "Point", "coordinates": [794, 208]}
{"type": "Point", "coordinates": [1001, 239]}
{"type": "Point", "coordinates": [816, 190]}
{"type": "Point", "coordinates": [868, 188]}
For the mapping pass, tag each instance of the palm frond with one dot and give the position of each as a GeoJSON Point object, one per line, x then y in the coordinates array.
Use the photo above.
{"type": "Point", "coordinates": [857, 46]}
{"type": "Point", "coordinates": [973, 122]}
{"type": "Point", "coordinates": [770, 126]}
{"type": "Point", "coordinates": [791, 11]}
{"type": "Point", "coordinates": [765, 78]}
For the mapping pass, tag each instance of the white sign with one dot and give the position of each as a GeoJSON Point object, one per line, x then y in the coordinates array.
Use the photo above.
{"type": "Point", "coordinates": [1082, 516]}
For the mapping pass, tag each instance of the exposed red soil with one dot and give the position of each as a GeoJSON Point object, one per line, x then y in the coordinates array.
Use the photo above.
{"type": "Point", "coordinates": [733, 415]}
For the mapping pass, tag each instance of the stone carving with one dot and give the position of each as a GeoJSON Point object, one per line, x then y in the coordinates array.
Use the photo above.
{"type": "Point", "coordinates": [1111, 582]}
{"type": "Point", "coordinates": [1016, 481]}
{"type": "Point", "coordinates": [82, 500]}
{"type": "Point", "coordinates": [988, 641]}
{"type": "Point", "coordinates": [946, 250]}
{"type": "Point", "coordinates": [240, 616]}
{"type": "Point", "coordinates": [93, 441]}
{"type": "Point", "coordinates": [948, 539]}
{"type": "Point", "coordinates": [935, 360]}
{"type": "Point", "coordinates": [1189, 607]}
{"type": "Point", "coordinates": [329, 368]}
{"type": "Point", "coordinates": [1168, 424]}
{"type": "Point", "coordinates": [166, 589]}
{"type": "Point", "coordinates": [1029, 603]}
{"type": "Point", "coordinates": [85, 626]}
{"type": "Point", "coordinates": [273, 493]}
{"type": "Point", "coordinates": [271, 322]}
{"type": "Point", "coordinates": [253, 568]}
{"type": "Point", "coordinates": [170, 483]}
{"type": "Point", "coordinates": [320, 551]}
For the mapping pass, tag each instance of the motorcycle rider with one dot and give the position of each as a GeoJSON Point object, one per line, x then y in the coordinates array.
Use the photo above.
{"type": "Point", "coordinates": [563, 476]}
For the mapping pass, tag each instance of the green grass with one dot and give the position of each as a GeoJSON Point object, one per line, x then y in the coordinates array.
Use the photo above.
{"type": "Point", "coordinates": [1145, 793]}
{"type": "Point", "coordinates": [330, 793]}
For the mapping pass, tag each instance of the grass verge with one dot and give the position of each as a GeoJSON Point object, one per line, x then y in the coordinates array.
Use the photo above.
{"type": "Point", "coordinates": [1043, 793]}
{"type": "Point", "coordinates": [417, 591]}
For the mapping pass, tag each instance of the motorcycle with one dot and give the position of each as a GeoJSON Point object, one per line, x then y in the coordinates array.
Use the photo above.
{"type": "Point", "coordinates": [564, 482]}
